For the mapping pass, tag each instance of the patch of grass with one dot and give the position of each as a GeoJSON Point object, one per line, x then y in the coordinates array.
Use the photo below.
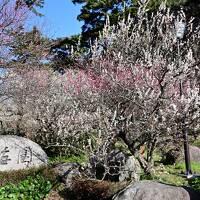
{"type": "Point", "coordinates": [170, 174]}
{"type": "Point", "coordinates": [157, 157]}
{"type": "Point", "coordinates": [180, 168]}
{"type": "Point", "coordinates": [164, 176]}
{"type": "Point", "coordinates": [65, 159]}
{"type": "Point", "coordinates": [171, 179]}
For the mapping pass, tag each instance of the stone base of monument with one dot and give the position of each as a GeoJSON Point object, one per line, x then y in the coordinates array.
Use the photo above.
{"type": "Point", "coordinates": [20, 153]}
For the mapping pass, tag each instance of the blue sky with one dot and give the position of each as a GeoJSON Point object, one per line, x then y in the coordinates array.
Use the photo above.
{"type": "Point", "coordinates": [59, 18]}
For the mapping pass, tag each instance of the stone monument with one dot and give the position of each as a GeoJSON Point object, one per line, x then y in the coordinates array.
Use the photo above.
{"type": "Point", "coordinates": [20, 153]}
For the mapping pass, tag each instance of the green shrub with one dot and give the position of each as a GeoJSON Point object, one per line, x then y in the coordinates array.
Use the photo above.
{"type": "Point", "coordinates": [27, 184]}
{"type": "Point", "coordinates": [31, 188]}
{"type": "Point", "coordinates": [194, 183]}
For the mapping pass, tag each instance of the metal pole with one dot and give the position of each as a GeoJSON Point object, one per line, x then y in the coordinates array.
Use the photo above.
{"type": "Point", "coordinates": [184, 131]}
{"type": "Point", "coordinates": [186, 151]}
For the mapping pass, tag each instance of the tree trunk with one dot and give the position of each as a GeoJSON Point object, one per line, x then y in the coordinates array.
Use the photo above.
{"type": "Point", "coordinates": [146, 166]}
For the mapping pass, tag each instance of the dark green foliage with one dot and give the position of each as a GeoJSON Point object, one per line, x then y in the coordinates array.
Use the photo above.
{"type": "Point", "coordinates": [34, 188]}
{"type": "Point", "coordinates": [33, 184]}
{"type": "Point", "coordinates": [170, 157]}
{"type": "Point", "coordinates": [144, 176]}
{"type": "Point", "coordinates": [194, 183]}
{"type": "Point", "coordinates": [197, 142]}
{"type": "Point", "coordinates": [63, 57]}
{"type": "Point", "coordinates": [29, 49]}
{"type": "Point", "coordinates": [192, 7]}
{"type": "Point", "coordinates": [33, 5]}
{"type": "Point", "coordinates": [94, 14]}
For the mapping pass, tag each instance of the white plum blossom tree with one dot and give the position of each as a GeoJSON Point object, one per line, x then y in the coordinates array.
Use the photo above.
{"type": "Point", "coordinates": [141, 85]}
{"type": "Point", "coordinates": [149, 80]}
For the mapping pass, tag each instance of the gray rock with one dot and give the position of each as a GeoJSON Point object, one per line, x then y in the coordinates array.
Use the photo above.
{"type": "Point", "coordinates": [150, 190]}
{"type": "Point", "coordinates": [20, 153]}
{"type": "Point", "coordinates": [119, 166]}
{"type": "Point", "coordinates": [131, 170]}
{"type": "Point", "coordinates": [195, 154]}
{"type": "Point", "coordinates": [67, 172]}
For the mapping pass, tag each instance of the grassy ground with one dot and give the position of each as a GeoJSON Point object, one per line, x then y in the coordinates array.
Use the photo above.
{"type": "Point", "coordinates": [169, 174]}
{"type": "Point", "coordinates": [81, 159]}
{"type": "Point", "coordinates": [172, 174]}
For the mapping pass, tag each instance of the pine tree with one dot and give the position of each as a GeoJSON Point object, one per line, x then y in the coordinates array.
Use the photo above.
{"type": "Point", "coordinates": [94, 12]}
{"type": "Point", "coordinates": [31, 4]}
{"type": "Point", "coordinates": [29, 49]}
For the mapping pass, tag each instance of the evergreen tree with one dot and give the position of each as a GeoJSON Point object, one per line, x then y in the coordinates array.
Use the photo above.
{"type": "Point", "coordinates": [94, 12]}
{"type": "Point", "coordinates": [31, 4]}
{"type": "Point", "coordinates": [30, 50]}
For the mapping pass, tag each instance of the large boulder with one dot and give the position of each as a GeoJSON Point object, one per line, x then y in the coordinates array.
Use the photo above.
{"type": "Point", "coordinates": [150, 190]}
{"type": "Point", "coordinates": [117, 166]}
{"type": "Point", "coordinates": [20, 153]}
{"type": "Point", "coordinates": [195, 154]}
{"type": "Point", "coordinates": [66, 172]}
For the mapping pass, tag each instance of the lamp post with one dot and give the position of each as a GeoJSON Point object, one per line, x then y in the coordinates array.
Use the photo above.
{"type": "Point", "coordinates": [180, 30]}
{"type": "Point", "coordinates": [186, 151]}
